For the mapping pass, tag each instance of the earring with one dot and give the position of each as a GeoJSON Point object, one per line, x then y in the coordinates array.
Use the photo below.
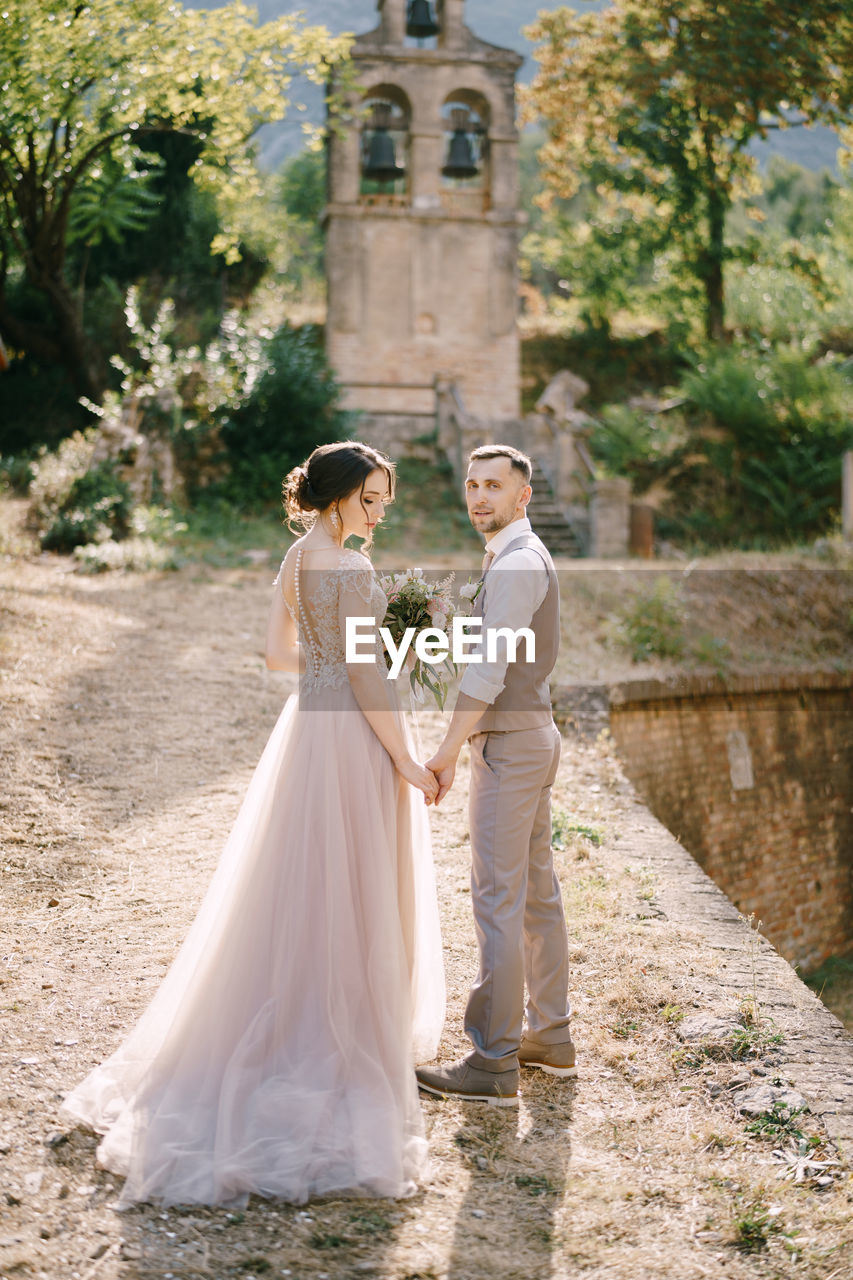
{"type": "Point", "coordinates": [335, 519]}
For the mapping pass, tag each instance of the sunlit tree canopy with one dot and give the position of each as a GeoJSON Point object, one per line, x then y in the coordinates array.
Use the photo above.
{"type": "Point", "coordinates": [654, 103]}
{"type": "Point", "coordinates": [81, 84]}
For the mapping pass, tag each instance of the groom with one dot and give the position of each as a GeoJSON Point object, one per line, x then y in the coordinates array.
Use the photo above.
{"type": "Point", "coordinates": [504, 710]}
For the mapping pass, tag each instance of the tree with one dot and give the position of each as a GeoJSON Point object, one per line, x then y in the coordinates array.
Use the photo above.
{"type": "Point", "coordinates": [290, 408]}
{"type": "Point", "coordinates": [655, 102]}
{"type": "Point", "coordinates": [301, 192]}
{"type": "Point", "coordinates": [82, 83]}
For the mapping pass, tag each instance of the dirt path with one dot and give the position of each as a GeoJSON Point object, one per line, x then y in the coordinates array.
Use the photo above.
{"type": "Point", "coordinates": [132, 712]}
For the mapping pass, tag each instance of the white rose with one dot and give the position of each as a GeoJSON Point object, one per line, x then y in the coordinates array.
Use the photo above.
{"type": "Point", "coordinates": [469, 590]}
{"type": "Point", "coordinates": [439, 620]}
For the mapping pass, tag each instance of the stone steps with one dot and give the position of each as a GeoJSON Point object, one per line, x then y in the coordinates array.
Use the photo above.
{"type": "Point", "coordinates": [548, 520]}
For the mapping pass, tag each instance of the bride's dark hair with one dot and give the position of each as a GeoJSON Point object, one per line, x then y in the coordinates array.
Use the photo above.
{"type": "Point", "coordinates": [332, 472]}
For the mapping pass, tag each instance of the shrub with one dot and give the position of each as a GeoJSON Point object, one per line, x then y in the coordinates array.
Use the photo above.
{"type": "Point", "coordinates": [631, 441]}
{"type": "Point", "coordinates": [770, 301]}
{"type": "Point", "coordinates": [731, 389]}
{"type": "Point", "coordinates": [55, 473]}
{"type": "Point", "coordinates": [97, 507]}
{"type": "Point", "coordinates": [289, 410]}
{"type": "Point", "coordinates": [622, 437]}
{"type": "Point", "coordinates": [770, 398]}
{"type": "Point", "coordinates": [137, 554]}
{"type": "Point", "coordinates": [16, 473]}
{"type": "Point", "coordinates": [652, 625]}
{"type": "Point", "coordinates": [769, 430]}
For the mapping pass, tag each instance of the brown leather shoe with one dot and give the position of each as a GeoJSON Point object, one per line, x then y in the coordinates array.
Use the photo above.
{"type": "Point", "coordinates": [471, 1084]}
{"type": "Point", "coordinates": [555, 1059]}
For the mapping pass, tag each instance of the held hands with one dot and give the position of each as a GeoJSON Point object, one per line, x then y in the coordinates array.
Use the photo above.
{"type": "Point", "coordinates": [443, 766]}
{"type": "Point", "coordinates": [419, 776]}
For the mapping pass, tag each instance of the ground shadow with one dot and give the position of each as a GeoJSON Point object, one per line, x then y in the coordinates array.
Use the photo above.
{"type": "Point", "coordinates": [519, 1165]}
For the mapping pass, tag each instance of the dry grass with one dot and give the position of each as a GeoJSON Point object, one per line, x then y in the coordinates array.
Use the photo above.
{"type": "Point", "coordinates": [132, 711]}
{"type": "Point", "coordinates": [738, 616]}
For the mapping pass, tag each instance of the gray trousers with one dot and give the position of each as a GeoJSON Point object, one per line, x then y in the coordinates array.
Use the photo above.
{"type": "Point", "coordinates": [518, 907]}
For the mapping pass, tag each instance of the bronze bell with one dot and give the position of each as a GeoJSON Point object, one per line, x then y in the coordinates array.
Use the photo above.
{"type": "Point", "coordinates": [380, 164]}
{"type": "Point", "coordinates": [460, 157]}
{"type": "Point", "coordinates": [419, 19]}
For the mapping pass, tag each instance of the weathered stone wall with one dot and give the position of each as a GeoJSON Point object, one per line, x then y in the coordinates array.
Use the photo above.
{"type": "Point", "coordinates": [755, 777]}
{"type": "Point", "coordinates": [412, 297]}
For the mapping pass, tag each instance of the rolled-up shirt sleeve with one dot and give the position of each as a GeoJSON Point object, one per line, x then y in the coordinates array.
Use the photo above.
{"type": "Point", "coordinates": [517, 585]}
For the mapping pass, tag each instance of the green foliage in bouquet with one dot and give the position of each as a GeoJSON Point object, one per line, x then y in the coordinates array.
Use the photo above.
{"type": "Point", "coordinates": [423, 606]}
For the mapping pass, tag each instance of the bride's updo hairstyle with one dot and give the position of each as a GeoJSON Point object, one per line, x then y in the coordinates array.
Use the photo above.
{"type": "Point", "coordinates": [332, 473]}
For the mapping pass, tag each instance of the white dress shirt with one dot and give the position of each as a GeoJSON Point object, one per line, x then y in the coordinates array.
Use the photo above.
{"type": "Point", "coordinates": [518, 583]}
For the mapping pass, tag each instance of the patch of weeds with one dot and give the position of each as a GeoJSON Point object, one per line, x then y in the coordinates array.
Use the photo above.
{"type": "Point", "coordinates": [652, 624]}
{"type": "Point", "coordinates": [749, 1007]}
{"type": "Point", "coordinates": [696, 1056]}
{"type": "Point", "coordinates": [777, 1123]}
{"type": "Point", "coordinates": [370, 1223]}
{"type": "Point", "coordinates": [672, 1013]}
{"type": "Point", "coordinates": [750, 1042]}
{"type": "Point", "coordinates": [750, 1014]}
{"type": "Point", "coordinates": [744, 1042]}
{"type": "Point", "coordinates": [535, 1184]}
{"type": "Point", "coordinates": [588, 894]}
{"type": "Point", "coordinates": [712, 651]}
{"type": "Point", "coordinates": [753, 1226]}
{"type": "Point", "coordinates": [234, 1219]}
{"type": "Point", "coordinates": [258, 1264]}
{"type": "Point", "coordinates": [646, 882]}
{"type": "Point", "coordinates": [625, 1028]}
{"type": "Point", "coordinates": [721, 1184]}
{"type": "Point", "coordinates": [562, 828]}
{"type": "Point", "coordinates": [218, 534]}
{"type": "Point", "coordinates": [327, 1240]}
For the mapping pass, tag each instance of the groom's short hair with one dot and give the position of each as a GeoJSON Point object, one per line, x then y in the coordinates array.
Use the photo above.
{"type": "Point", "coordinates": [517, 459]}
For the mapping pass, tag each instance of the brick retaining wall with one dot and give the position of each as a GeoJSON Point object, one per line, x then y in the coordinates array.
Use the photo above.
{"type": "Point", "coordinates": [755, 776]}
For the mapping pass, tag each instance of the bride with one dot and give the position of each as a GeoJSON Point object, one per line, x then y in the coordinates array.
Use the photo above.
{"type": "Point", "coordinates": [277, 1055]}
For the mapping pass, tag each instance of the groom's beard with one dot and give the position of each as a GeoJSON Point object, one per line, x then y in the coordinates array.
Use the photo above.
{"type": "Point", "coordinates": [495, 523]}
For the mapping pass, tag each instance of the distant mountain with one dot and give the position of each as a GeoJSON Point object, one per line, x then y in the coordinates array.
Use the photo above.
{"type": "Point", "coordinates": [500, 22]}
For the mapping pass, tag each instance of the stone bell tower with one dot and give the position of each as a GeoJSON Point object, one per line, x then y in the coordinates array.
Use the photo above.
{"type": "Point", "coordinates": [422, 224]}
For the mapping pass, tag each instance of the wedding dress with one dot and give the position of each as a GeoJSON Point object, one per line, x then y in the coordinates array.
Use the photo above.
{"type": "Point", "coordinates": [277, 1055]}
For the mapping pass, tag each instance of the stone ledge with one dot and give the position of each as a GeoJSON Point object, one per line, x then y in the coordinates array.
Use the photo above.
{"type": "Point", "coordinates": [817, 1053]}
{"type": "Point", "coordinates": [684, 686]}
{"type": "Point", "coordinates": [587, 706]}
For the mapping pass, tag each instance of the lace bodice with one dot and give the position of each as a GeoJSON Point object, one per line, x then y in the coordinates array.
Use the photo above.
{"type": "Point", "coordinates": [324, 600]}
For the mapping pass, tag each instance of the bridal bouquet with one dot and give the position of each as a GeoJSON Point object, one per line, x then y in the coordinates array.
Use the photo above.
{"type": "Point", "coordinates": [417, 605]}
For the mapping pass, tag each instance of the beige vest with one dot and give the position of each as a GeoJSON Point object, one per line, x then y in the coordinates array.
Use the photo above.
{"type": "Point", "coordinates": [525, 700]}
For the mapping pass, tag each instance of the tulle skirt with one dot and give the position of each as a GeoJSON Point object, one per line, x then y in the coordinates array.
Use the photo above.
{"type": "Point", "coordinates": [277, 1055]}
